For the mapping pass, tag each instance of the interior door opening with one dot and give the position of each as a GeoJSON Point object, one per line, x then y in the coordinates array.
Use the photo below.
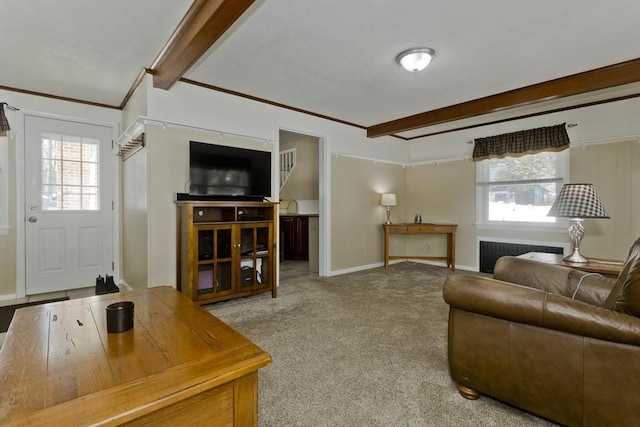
{"type": "Point", "coordinates": [300, 204]}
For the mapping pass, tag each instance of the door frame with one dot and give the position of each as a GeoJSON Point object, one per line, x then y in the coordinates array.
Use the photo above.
{"type": "Point", "coordinates": [324, 198]}
{"type": "Point", "coordinates": [21, 262]}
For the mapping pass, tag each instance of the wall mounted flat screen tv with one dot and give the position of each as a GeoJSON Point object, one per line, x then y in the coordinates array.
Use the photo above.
{"type": "Point", "coordinates": [223, 172]}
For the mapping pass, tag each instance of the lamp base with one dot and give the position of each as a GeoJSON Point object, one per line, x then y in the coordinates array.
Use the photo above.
{"type": "Point", "coordinates": [576, 257]}
{"type": "Point", "coordinates": [388, 221]}
{"type": "Point", "coordinates": [576, 232]}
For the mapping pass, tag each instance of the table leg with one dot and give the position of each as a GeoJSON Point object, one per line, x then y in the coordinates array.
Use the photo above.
{"type": "Point", "coordinates": [386, 248]}
{"type": "Point", "coordinates": [245, 400]}
{"type": "Point", "coordinates": [452, 250]}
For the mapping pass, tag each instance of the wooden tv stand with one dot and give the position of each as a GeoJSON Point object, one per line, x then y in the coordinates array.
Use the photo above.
{"type": "Point", "coordinates": [226, 249]}
{"type": "Point", "coordinates": [179, 365]}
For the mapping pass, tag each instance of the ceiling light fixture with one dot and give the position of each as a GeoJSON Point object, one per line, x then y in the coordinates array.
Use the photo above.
{"type": "Point", "coordinates": [415, 59]}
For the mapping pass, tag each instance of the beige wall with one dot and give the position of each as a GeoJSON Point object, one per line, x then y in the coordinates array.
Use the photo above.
{"type": "Point", "coordinates": [614, 170]}
{"type": "Point", "coordinates": [303, 182]}
{"type": "Point", "coordinates": [442, 193]}
{"type": "Point", "coordinates": [8, 241]}
{"type": "Point", "coordinates": [446, 192]}
{"type": "Point", "coordinates": [134, 222]}
{"type": "Point", "coordinates": [356, 214]}
{"type": "Point", "coordinates": [167, 173]}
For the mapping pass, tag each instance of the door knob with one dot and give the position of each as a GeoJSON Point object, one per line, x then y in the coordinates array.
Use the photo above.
{"type": "Point", "coordinates": [33, 219]}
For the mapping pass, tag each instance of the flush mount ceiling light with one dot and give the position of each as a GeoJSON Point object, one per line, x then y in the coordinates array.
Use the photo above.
{"type": "Point", "coordinates": [415, 59]}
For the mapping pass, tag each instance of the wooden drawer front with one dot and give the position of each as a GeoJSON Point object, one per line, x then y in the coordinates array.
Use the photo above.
{"type": "Point", "coordinates": [399, 228]}
{"type": "Point", "coordinates": [430, 228]}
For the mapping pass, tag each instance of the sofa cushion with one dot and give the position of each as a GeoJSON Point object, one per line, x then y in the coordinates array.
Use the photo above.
{"type": "Point", "coordinates": [625, 295]}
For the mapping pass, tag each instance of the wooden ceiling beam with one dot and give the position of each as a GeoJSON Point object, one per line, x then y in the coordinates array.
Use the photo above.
{"type": "Point", "coordinates": [600, 78]}
{"type": "Point", "coordinates": [203, 24]}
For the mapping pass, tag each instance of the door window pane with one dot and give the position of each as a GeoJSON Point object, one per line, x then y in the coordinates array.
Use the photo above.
{"type": "Point", "coordinates": [70, 173]}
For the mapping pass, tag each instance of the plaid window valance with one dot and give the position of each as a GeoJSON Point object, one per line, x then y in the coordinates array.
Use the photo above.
{"type": "Point", "coordinates": [516, 144]}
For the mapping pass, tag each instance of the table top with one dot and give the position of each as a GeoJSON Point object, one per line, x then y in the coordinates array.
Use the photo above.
{"type": "Point", "coordinates": [58, 363]}
{"type": "Point", "coordinates": [595, 265]}
{"type": "Point", "coordinates": [423, 226]}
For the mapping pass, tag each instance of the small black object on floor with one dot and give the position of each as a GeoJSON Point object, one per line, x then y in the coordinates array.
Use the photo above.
{"type": "Point", "coordinates": [106, 285]}
{"type": "Point", "coordinates": [6, 312]}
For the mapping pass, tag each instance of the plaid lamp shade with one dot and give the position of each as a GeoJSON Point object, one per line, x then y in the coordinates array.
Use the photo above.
{"type": "Point", "coordinates": [578, 201]}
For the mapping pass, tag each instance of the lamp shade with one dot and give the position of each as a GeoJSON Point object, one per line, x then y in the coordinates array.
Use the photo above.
{"type": "Point", "coordinates": [578, 201]}
{"type": "Point", "coordinates": [388, 199]}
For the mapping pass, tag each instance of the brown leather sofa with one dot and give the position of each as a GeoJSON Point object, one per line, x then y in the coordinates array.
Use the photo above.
{"type": "Point", "coordinates": [522, 338]}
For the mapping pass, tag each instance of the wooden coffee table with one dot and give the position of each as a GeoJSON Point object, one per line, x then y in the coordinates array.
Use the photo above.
{"type": "Point", "coordinates": [178, 365]}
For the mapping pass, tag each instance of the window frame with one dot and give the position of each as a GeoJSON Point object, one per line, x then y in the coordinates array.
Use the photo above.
{"type": "Point", "coordinates": [65, 163]}
{"type": "Point", "coordinates": [482, 199]}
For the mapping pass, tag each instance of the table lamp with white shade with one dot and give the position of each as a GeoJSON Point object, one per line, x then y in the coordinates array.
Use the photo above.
{"type": "Point", "coordinates": [388, 200]}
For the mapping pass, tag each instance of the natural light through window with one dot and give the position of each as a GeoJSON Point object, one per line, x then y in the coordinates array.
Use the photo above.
{"type": "Point", "coordinates": [519, 189]}
{"type": "Point", "coordinates": [70, 173]}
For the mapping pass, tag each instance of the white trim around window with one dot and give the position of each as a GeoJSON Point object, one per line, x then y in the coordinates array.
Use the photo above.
{"type": "Point", "coordinates": [488, 185]}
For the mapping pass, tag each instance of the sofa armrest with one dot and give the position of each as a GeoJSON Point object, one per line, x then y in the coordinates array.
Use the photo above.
{"type": "Point", "coordinates": [521, 304]}
{"type": "Point", "coordinates": [552, 278]}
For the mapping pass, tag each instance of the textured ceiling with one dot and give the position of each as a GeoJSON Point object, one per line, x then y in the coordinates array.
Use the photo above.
{"type": "Point", "coordinates": [91, 50]}
{"type": "Point", "coordinates": [330, 57]}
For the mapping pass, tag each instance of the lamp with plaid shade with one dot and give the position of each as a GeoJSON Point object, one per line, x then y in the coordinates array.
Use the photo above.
{"type": "Point", "coordinates": [577, 201]}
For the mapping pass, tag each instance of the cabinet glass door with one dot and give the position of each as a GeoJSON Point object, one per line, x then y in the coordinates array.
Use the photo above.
{"type": "Point", "coordinates": [214, 260]}
{"type": "Point", "coordinates": [255, 255]}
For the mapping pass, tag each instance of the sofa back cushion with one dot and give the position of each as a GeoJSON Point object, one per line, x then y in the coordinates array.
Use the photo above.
{"type": "Point", "coordinates": [625, 294]}
{"type": "Point", "coordinates": [530, 273]}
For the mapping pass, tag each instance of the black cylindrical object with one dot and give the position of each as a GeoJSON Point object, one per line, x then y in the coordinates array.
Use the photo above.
{"type": "Point", "coordinates": [119, 316]}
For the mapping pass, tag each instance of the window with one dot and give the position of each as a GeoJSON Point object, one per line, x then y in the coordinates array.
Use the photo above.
{"type": "Point", "coordinates": [70, 171]}
{"type": "Point", "coordinates": [517, 190]}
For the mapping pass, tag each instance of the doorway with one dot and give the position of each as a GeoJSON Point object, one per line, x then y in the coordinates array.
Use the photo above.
{"type": "Point", "coordinates": [300, 205]}
{"type": "Point", "coordinates": [68, 204]}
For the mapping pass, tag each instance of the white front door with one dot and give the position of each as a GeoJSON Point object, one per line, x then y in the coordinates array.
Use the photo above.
{"type": "Point", "coordinates": [68, 204]}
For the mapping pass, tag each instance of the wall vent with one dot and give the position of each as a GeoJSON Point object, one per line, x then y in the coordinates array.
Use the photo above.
{"type": "Point", "coordinates": [491, 251]}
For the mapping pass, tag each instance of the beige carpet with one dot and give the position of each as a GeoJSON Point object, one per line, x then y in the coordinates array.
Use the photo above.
{"type": "Point", "coordinates": [362, 349]}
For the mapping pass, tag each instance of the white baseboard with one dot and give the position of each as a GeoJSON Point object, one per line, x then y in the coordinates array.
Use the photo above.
{"type": "Point", "coordinates": [441, 264]}
{"type": "Point", "coordinates": [354, 269]}
{"type": "Point", "coordinates": [8, 297]}
{"type": "Point", "coordinates": [397, 261]}
{"type": "Point", "coordinates": [123, 284]}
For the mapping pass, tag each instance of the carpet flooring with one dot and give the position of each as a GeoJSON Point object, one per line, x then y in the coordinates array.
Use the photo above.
{"type": "Point", "coordinates": [361, 349]}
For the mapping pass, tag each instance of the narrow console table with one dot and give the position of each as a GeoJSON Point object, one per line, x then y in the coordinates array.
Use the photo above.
{"type": "Point", "coordinates": [448, 229]}
{"type": "Point", "coordinates": [179, 365]}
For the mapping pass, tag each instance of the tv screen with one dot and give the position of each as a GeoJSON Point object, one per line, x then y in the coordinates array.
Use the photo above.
{"type": "Point", "coordinates": [219, 170]}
